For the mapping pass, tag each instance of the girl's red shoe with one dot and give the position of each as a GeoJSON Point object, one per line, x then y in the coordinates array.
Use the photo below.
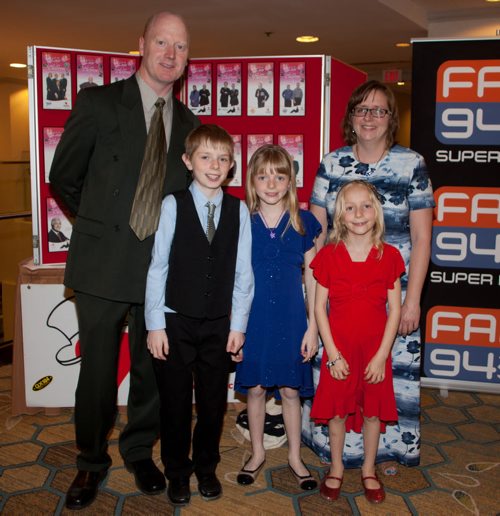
{"type": "Point", "coordinates": [330, 493]}
{"type": "Point", "coordinates": [374, 495]}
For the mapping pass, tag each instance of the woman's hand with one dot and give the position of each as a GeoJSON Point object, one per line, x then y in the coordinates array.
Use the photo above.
{"type": "Point", "coordinates": [375, 370]}
{"type": "Point", "coordinates": [410, 318]}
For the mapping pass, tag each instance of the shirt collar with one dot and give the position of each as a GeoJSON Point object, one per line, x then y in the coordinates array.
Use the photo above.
{"type": "Point", "coordinates": [149, 97]}
{"type": "Point", "coordinates": [200, 200]}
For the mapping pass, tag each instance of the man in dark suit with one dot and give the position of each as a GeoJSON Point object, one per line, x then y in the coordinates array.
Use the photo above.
{"type": "Point", "coordinates": [95, 172]}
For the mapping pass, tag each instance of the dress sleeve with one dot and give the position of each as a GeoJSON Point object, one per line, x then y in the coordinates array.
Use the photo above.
{"type": "Point", "coordinates": [321, 267]}
{"type": "Point", "coordinates": [320, 187]}
{"type": "Point", "coordinates": [420, 188]}
{"type": "Point", "coordinates": [396, 265]}
{"type": "Point", "coordinates": [312, 229]}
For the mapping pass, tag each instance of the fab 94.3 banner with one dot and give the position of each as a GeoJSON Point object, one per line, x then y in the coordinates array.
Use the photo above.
{"type": "Point", "coordinates": [456, 127]}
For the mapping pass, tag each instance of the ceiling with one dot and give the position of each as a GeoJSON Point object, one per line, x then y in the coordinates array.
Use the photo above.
{"type": "Point", "coordinates": [358, 32]}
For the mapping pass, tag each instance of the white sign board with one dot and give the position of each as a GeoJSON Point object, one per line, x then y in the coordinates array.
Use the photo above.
{"type": "Point", "coordinates": [51, 349]}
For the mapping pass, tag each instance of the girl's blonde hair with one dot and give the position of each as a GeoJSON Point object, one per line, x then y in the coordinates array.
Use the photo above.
{"type": "Point", "coordinates": [277, 160]}
{"type": "Point", "coordinates": [339, 230]}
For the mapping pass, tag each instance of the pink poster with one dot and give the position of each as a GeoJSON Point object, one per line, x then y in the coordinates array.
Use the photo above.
{"type": "Point", "coordinates": [292, 88]}
{"type": "Point", "coordinates": [199, 84]}
{"type": "Point", "coordinates": [260, 89]}
{"type": "Point", "coordinates": [122, 68]}
{"type": "Point", "coordinates": [294, 144]}
{"type": "Point", "coordinates": [51, 137]}
{"type": "Point", "coordinates": [56, 72]}
{"type": "Point", "coordinates": [235, 175]}
{"type": "Point", "coordinates": [228, 88]}
{"type": "Point", "coordinates": [59, 227]}
{"type": "Point", "coordinates": [254, 141]}
{"type": "Point", "coordinates": [89, 72]}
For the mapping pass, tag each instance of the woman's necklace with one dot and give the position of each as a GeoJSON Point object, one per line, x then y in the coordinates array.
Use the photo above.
{"type": "Point", "coordinates": [378, 161]}
{"type": "Point", "coordinates": [272, 231]}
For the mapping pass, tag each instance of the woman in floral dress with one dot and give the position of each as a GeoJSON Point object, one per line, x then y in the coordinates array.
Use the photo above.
{"type": "Point", "coordinates": [401, 178]}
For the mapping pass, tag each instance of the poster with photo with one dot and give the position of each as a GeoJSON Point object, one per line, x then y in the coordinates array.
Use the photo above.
{"type": "Point", "coordinates": [122, 68]}
{"type": "Point", "coordinates": [235, 175]}
{"type": "Point", "coordinates": [294, 144]}
{"type": "Point", "coordinates": [89, 71]}
{"type": "Point", "coordinates": [56, 73]}
{"type": "Point", "coordinates": [51, 137]}
{"type": "Point", "coordinates": [254, 141]}
{"type": "Point", "coordinates": [260, 89]}
{"type": "Point", "coordinates": [229, 89]}
{"type": "Point", "coordinates": [59, 227]}
{"type": "Point", "coordinates": [199, 88]}
{"type": "Point", "coordinates": [292, 88]}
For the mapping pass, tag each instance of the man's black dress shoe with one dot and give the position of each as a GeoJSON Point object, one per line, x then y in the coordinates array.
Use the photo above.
{"type": "Point", "coordinates": [209, 486]}
{"type": "Point", "coordinates": [83, 489]}
{"type": "Point", "coordinates": [178, 491]}
{"type": "Point", "coordinates": [148, 478]}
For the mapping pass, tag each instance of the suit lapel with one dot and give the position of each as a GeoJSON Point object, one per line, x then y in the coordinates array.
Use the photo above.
{"type": "Point", "coordinates": [132, 123]}
{"type": "Point", "coordinates": [179, 127]}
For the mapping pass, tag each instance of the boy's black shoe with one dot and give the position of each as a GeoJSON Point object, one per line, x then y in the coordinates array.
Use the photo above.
{"type": "Point", "coordinates": [148, 478]}
{"type": "Point", "coordinates": [209, 486]}
{"type": "Point", "coordinates": [178, 491]}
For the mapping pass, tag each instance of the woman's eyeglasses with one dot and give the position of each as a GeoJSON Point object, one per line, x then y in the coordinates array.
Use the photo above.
{"type": "Point", "coordinates": [374, 112]}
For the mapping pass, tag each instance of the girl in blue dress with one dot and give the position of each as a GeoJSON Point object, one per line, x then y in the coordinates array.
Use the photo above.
{"type": "Point", "coordinates": [280, 341]}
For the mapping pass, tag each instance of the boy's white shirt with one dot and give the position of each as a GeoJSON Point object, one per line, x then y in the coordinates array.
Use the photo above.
{"type": "Point", "coordinates": [243, 290]}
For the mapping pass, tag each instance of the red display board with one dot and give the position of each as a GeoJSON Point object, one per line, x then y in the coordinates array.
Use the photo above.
{"type": "Point", "coordinates": [268, 121]}
{"type": "Point", "coordinates": [344, 79]}
{"type": "Point", "coordinates": [294, 101]}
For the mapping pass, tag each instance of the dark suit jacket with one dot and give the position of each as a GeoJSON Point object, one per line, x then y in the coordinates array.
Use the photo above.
{"type": "Point", "coordinates": [95, 171]}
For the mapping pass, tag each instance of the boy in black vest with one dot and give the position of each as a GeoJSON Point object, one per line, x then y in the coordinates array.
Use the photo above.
{"type": "Point", "coordinates": [198, 297]}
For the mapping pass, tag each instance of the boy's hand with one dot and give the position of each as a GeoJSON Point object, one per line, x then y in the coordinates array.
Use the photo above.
{"type": "Point", "coordinates": [235, 342]}
{"type": "Point", "coordinates": [158, 344]}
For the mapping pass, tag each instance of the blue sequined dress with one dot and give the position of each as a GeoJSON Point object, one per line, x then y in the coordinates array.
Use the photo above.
{"type": "Point", "coordinates": [402, 180]}
{"type": "Point", "coordinates": [277, 323]}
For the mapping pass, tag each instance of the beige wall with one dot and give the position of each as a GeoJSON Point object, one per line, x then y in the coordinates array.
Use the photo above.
{"type": "Point", "coordinates": [461, 28]}
{"type": "Point", "coordinates": [15, 193]}
{"type": "Point", "coordinates": [404, 107]}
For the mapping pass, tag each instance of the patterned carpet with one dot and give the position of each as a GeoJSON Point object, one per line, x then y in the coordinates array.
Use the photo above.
{"type": "Point", "coordinates": [459, 473]}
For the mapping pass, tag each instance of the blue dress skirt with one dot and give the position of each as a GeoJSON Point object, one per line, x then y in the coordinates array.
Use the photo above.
{"type": "Point", "coordinates": [277, 323]}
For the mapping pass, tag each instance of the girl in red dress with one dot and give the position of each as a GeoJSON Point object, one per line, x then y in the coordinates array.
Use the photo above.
{"type": "Point", "coordinates": [357, 308]}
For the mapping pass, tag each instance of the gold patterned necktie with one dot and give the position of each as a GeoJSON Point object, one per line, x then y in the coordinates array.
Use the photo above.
{"type": "Point", "coordinates": [145, 213]}
{"type": "Point", "coordinates": [210, 221]}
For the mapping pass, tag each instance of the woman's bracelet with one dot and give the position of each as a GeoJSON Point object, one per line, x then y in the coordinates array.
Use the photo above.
{"type": "Point", "coordinates": [331, 363]}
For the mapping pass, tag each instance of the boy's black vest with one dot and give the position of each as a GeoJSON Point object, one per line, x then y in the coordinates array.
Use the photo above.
{"type": "Point", "coordinates": [201, 275]}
